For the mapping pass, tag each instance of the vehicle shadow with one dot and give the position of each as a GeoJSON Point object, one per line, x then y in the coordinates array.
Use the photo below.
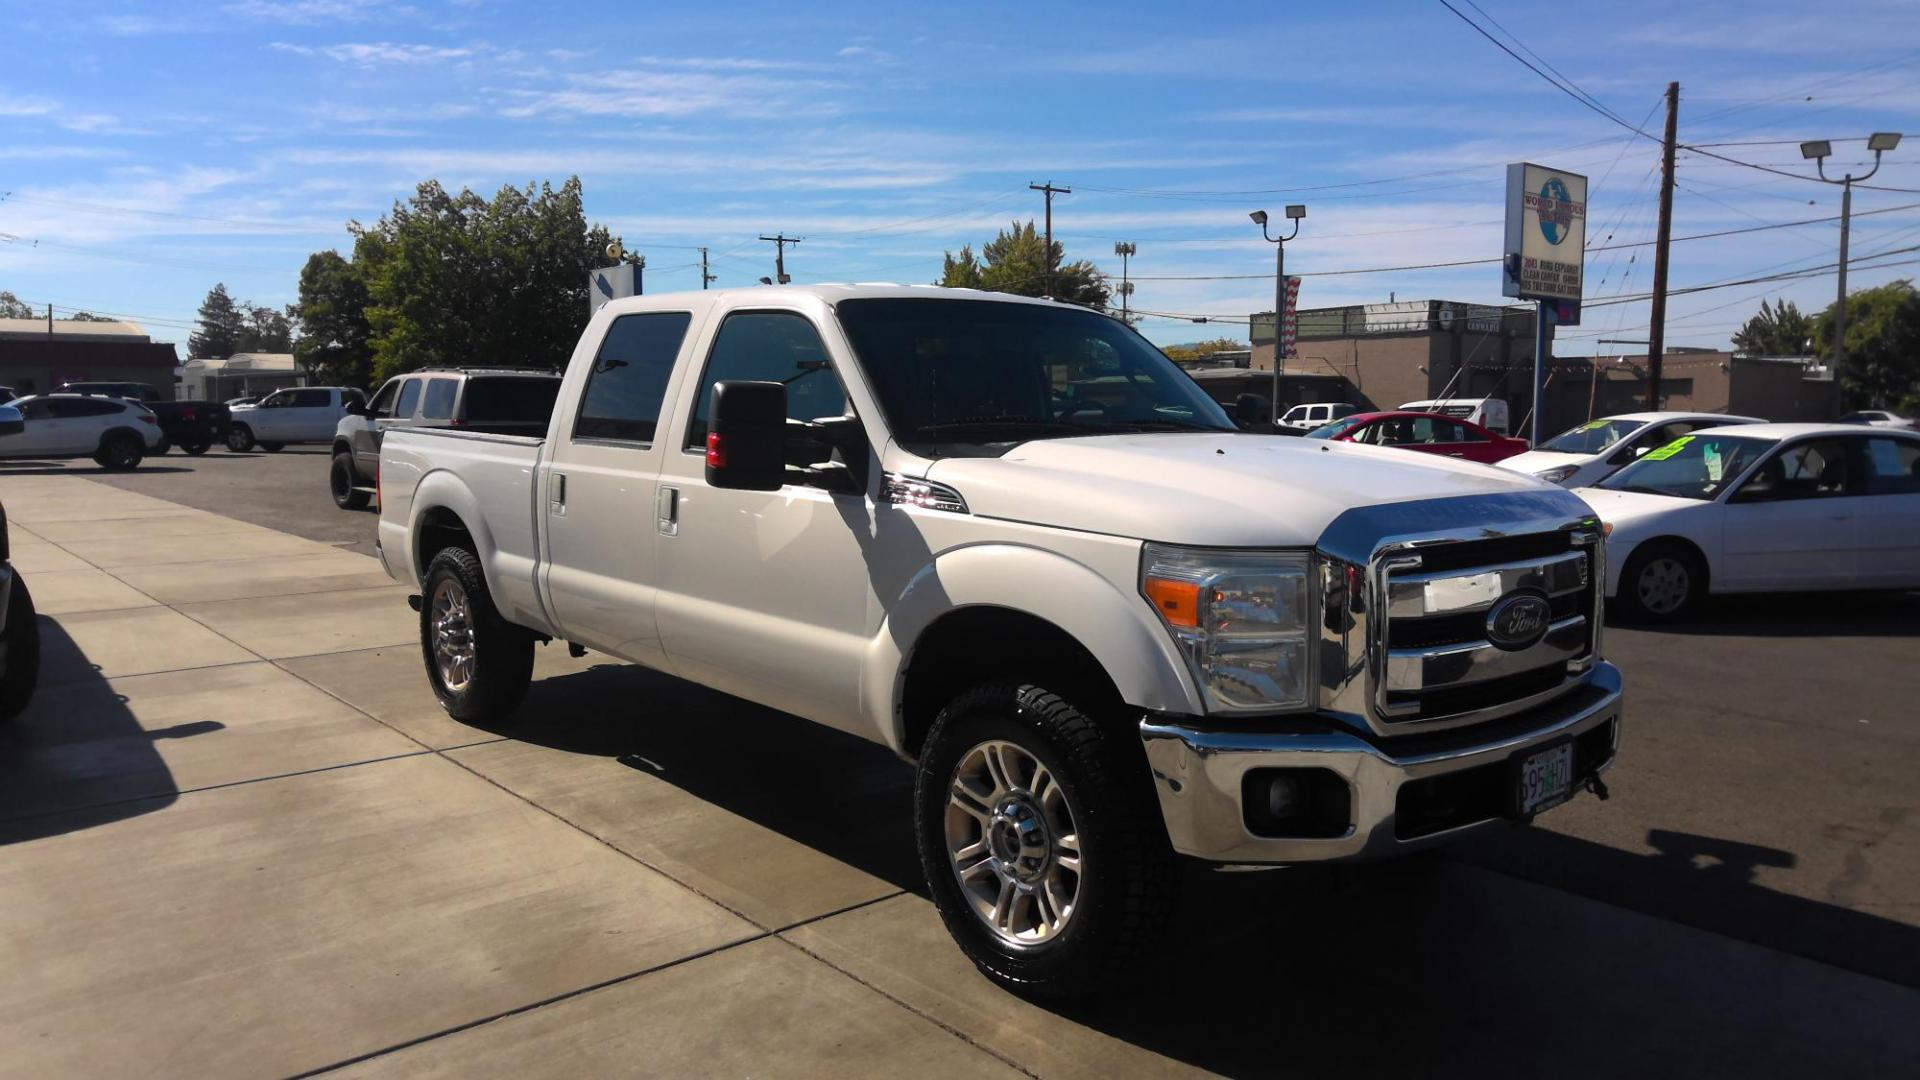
{"type": "Point", "coordinates": [30, 467]}
{"type": "Point", "coordinates": [77, 757]}
{"type": "Point", "coordinates": [1432, 964]}
{"type": "Point", "coordinates": [1825, 614]}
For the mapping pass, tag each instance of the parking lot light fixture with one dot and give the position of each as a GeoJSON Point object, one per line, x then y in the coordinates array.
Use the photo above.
{"type": "Point", "coordinates": [1259, 218]}
{"type": "Point", "coordinates": [1817, 151]}
{"type": "Point", "coordinates": [1883, 140]}
{"type": "Point", "coordinates": [1296, 211]}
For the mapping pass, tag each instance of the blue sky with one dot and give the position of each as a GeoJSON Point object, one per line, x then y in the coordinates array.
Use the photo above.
{"type": "Point", "coordinates": [153, 149]}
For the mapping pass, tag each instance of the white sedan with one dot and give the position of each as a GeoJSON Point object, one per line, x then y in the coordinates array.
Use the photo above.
{"type": "Point", "coordinates": [1589, 453]}
{"type": "Point", "coordinates": [1761, 508]}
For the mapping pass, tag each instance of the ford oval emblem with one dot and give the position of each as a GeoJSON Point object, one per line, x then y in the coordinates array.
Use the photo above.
{"type": "Point", "coordinates": [1518, 621]}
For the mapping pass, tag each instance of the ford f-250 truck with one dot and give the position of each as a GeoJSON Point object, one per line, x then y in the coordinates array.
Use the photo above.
{"type": "Point", "coordinates": [1012, 541]}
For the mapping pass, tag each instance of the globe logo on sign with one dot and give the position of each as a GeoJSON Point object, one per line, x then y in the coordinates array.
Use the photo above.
{"type": "Point", "coordinates": [1556, 210]}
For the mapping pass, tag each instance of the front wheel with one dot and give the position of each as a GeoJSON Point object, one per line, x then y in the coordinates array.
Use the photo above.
{"type": "Point", "coordinates": [1662, 582]}
{"type": "Point", "coordinates": [120, 451]}
{"type": "Point", "coordinates": [196, 449]}
{"type": "Point", "coordinates": [272, 447]}
{"type": "Point", "coordinates": [1041, 842]}
{"type": "Point", "coordinates": [239, 438]}
{"type": "Point", "coordinates": [341, 480]}
{"type": "Point", "coordinates": [160, 448]}
{"type": "Point", "coordinates": [478, 663]}
{"type": "Point", "coordinates": [21, 647]}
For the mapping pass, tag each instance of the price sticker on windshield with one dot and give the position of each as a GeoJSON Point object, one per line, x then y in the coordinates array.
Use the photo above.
{"type": "Point", "coordinates": [1670, 449]}
{"type": "Point", "coordinates": [1596, 425]}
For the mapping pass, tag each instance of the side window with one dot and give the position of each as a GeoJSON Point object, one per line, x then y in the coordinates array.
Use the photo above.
{"type": "Point", "coordinates": [409, 397]}
{"type": "Point", "coordinates": [382, 407]}
{"type": "Point", "coordinates": [311, 399]}
{"type": "Point", "coordinates": [1808, 470]}
{"type": "Point", "coordinates": [439, 401]}
{"type": "Point", "coordinates": [1319, 415]}
{"type": "Point", "coordinates": [275, 401]}
{"type": "Point", "coordinates": [1892, 466]}
{"type": "Point", "coordinates": [1463, 433]}
{"type": "Point", "coordinates": [1295, 414]}
{"type": "Point", "coordinates": [772, 346]}
{"type": "Point", "coordinates": [628, 380]}
{"type": "Point", "coordinates": [36, 410]}
{"type": "Point", "coordinates": [1449, 431]}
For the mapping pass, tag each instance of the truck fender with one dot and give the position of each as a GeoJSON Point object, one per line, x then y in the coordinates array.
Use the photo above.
{"type": "Point", "coordinates": [1118, 628]}
{"type": "Point", "coordinates": [442, 489]}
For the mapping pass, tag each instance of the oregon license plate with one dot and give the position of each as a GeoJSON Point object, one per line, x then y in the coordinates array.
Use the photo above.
{"type": "Point", "coordinates": [1545, 778]}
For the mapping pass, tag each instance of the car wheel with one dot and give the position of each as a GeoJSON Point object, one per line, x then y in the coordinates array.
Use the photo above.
{"type": "Point", "coordinates": [160, 448]}
{"type": "Point", "coordinates": [272, 447]}
{"type": "Point", "coordinates": [1041, 842]}
{"type": "Point", "coordinates": [341, 480]}
{"type": "Point", "coordinates": [21, 646]}
{"type": "Point", "coordinates": [198, 448]}
{"type": "Point", "coordinates": [478, 663]}
{"type": "Point", "coordinates": [120, 451]}
{"type": "Point", "coordinates": [1661, 583]}
{"type": "Point", "coordinates": [239, 438]}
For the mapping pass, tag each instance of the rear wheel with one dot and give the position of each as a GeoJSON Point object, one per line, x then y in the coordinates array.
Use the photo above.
{"type": "Point", "coordinates": [196, 449]}
{"type": "Point", "coordinates": [119, 451]}
{"type": "Point", "coordinates": [1041, 843]}
{"type": "Point", "coordinates": [341, 479]}
{"type": "Point", "coordinates": [272, 447]}
{"type": "Point", "coordinates": [160, 448]}
{"type": "Point", "coordinates": [21, 647]}
{"type": "Point", "coordinates": [1662, 582]}
{"type": "Point", "coordinates": [478, 663]}
{"type": "Point", "coordinates": [239, 438]}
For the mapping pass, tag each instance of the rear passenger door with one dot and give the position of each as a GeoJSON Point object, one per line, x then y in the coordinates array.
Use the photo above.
{"type": "Point", "coordinates": [600, 497]}
{"type": "Point", "coordinates": [1889, 516]}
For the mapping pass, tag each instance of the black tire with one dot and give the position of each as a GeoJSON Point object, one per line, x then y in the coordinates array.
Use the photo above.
{"type": "Point", "coordinates": [22, 646]}
{"type": "Point", "coordinates": [239, 438]}
{"type": "Point", "coordinates": [1662, 582]}
{"type": "Point", "coordinates": [120, 451]}
{"type": "Point", "coordinates": [160, 448]}
{"type": "Point", "coordinates": [501, 653]}
{"type": "Point", "coordinates": [1127, 887]}
{"type": "Point", "coordinates": [272, 447]}
{"type": "Point", "coordinates": [341, 479]}
{"type": "Point", "coordinates": [198, 448]}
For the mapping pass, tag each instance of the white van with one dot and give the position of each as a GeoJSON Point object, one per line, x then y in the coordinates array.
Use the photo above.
{"type": "Point", "coordinates": [1489, 413]}
{"type": "Point", "coordinates": [1304, 418]}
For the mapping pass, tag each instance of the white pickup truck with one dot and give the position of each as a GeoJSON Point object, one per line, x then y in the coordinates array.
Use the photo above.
{"type": "Point", "coordinates": [1013, 542]}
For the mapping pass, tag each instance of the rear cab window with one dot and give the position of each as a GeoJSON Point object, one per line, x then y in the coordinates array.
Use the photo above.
{"type": "Point", "coordinates": [502, 399]}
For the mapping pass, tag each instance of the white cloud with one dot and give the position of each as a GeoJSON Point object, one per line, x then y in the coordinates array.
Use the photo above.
{"type": "Point", "coordinates": [380, 52]}
{"type": "Point", "coordinates": [13, 106]}
{"type": "Point", "coordinates": [867, 52]}
{"type": "Point", "coordinates": [307, 12]}
{"type": "Point", "coordinates": [644, 93]}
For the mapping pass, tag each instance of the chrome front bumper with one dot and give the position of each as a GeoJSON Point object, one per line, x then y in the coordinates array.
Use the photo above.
{"type": "Point", "coordinates": [1198, 772]}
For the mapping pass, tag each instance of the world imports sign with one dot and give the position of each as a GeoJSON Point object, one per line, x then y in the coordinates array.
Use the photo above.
{"type": "Point", "coordinates": [1546, 233]}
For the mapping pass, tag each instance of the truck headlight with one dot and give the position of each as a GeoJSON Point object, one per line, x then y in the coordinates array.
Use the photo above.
{"type": "Point", "coordinates": [1241, 620]}
{"type": "Point", "coordinates": [1558, 474]}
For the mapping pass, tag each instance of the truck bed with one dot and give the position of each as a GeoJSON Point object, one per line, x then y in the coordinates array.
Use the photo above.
{"type": "Point", "coordinates": [490, 481]}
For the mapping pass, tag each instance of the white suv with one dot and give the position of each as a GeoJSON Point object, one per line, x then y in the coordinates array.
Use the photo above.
{"type": "Point", "coordinates": [116, 434]}
{"type": "Point", "coordinates": [1304, 418]}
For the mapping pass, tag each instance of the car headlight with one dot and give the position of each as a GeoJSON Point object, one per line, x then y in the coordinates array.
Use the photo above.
{"type": "Point", "coordinates": [1558, 474]}
{"type": "Point", "coordinates": [1241, 620]}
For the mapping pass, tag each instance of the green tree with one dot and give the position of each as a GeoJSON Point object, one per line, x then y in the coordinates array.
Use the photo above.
{"type": "Point", "coordinates": [265, 330]}
{"type": "Point", "coordinates": [335, 343]}
{"type": "Point", "coordinates": [12, 307]}
{"type": "Point", "coordinates": [1194, 350]}
{"type": "Point", "coordinates": [1016, 261]}
{"type": "Point", "coordinates": [457, 279]}
{"type": "Point", "coordinates": [87, 316]}
{"type": "Point", "coordinates": [1780, 330]}
{"type": "Point", "coordinates": [221, 324]}
{"type": "Point", "coordinates": [1882, 368]}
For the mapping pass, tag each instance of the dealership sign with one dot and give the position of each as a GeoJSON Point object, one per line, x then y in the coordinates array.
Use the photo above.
{"type": "Point", "coordinates": [1546, 233]}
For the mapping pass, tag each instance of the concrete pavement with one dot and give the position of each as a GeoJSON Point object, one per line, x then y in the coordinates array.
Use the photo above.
{"type": "Point", "coordinates": [239, 838]}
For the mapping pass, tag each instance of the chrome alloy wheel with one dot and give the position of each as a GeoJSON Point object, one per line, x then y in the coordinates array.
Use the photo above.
{"type": "Point", "coordinates": [1663, 585]}
{"type": "Point", "coordinates": [1012, 843]}
{"type": "Point", "coordinates": [452, 636]}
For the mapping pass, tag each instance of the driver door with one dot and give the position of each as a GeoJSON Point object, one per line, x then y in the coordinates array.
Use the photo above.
{"type": "Point", "coordinates": [766, 594]}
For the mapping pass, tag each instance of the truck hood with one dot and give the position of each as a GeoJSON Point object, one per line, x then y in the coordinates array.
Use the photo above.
{"type": "Point", "coordinates": [1208, 489]}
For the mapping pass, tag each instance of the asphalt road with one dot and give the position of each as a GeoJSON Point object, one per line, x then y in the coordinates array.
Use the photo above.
{"type": "Point", "coordinates": [1765, 790]}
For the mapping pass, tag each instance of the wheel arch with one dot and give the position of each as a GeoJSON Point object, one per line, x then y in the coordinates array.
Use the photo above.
{"type": "Point", "coordinates": [1687, 545]}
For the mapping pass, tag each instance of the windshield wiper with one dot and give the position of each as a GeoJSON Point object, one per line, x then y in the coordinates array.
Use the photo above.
{"type": "Point", "coordinates": [1016, 423]}
{"type": "Point", "coordinates": [1163, 425]}
{"type": "Point", "coordinates": [1645, 490]}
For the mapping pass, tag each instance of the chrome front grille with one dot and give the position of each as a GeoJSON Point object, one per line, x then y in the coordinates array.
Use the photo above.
{"type": "Point", "coordinates": [1406, 643]}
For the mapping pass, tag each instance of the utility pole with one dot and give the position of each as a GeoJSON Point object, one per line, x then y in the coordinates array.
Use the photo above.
{"type": "Point", "coordinates": [1050, 192]}
{"type": "Point", "coordinates": [1657, 332]}
{"type": "Point", "coordinates": [1125, 250]}
{"type": "Point", "coordinates": [706, 279]}
{"type": "Point", "coordinates": [780, 242]}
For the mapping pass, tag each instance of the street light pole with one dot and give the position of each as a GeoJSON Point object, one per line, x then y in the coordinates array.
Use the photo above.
{"type": "Point", "coordinates": [1295, 212]}
{"type": "Point", "coordinates": [1125, 249]}
{"type": "Point", "coordinates": [1879, 142]}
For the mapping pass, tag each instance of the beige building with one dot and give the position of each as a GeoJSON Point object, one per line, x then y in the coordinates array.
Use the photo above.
{"type": "Point", "coordinates": [37, 356]}
{"type": "Point", "coordinates": [239, 375]}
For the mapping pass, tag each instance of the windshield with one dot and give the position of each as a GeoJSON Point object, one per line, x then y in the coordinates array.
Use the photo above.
{"type": "Point", "coordinates": [1697, 466]}
{"type": "Point", "coordinates": [975, 378]}
{"type": "Point", "coordinates": [1592, 437]}
{"type": "Point", "coordinates": [1337, 428]}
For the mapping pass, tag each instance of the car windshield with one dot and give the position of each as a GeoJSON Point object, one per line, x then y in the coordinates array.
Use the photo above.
{"type": "Point", "coordinates": [972, 378]}
{"type": "Point", "coordinates": [1696, 466]}
{"type": "Point", "coordinates": [1591, 437]}
{"type": "Point", "coordinates": [1337, 428]}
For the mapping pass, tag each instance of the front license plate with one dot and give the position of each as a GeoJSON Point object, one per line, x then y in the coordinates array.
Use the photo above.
{"type": "Point", "coordinates": [1545, 778]}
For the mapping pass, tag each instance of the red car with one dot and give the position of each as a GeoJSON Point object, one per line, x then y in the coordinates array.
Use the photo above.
{"type": "Point", "coordinates": [1428, 433]}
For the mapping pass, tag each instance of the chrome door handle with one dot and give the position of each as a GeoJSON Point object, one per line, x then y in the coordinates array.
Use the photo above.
{"type": "Point", "coordinates": [667, 510]}
{"type": "Point", "coordinates": [557, 495]}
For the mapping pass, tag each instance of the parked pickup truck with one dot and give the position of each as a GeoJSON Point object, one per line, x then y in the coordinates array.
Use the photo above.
{"type": "Point", "coordinates": [1013, 542]}
{"type": "Point", "coordinates": [298, 414]}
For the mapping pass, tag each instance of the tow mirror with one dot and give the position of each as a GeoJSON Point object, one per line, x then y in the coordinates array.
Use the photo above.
{"type": "Point", "coordinates": [11, 421]}
{"type": "Point", "coordinates": [747, 435]}
{"type": "Point", "coordinates": [1250, 409]}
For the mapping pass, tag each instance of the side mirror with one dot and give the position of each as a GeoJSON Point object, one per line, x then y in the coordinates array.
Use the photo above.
{"type": "Point", "coordinates": [1250, 410]}
{"type": "Point", "coordinates": [1753, 491]}
{"type": "Point", "coordinates": [747, 436]}
{"type": "Point", "coordinates": [356, 407]}
{"type": "Point", "coordinates": [11, 421]}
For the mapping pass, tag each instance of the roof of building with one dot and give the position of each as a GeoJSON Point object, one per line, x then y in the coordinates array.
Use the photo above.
{"type": "Point", "coordinates": [18, 329]}
{"type": "Point", "coordinates": [278, 361]}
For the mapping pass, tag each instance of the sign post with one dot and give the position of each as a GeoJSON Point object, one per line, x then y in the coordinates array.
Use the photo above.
{"type": "Point", "coordinates": [1545, 258]}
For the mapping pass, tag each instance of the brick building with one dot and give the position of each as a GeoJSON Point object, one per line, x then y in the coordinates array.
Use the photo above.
{"type": "Point", "coordinates": [37, 356]}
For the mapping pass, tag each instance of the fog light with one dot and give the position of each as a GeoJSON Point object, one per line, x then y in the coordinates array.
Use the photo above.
{"type": "Point", "coordinates": [1284, 796]}
{"type": "Point", "coordinates": [1296, 803]}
